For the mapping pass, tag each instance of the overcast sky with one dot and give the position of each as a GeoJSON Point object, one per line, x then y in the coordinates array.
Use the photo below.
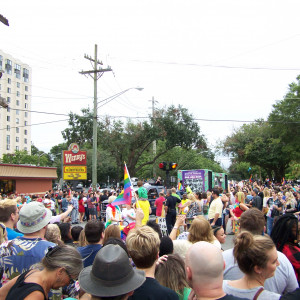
{"type": "Point", "coordinates": [220, 59]}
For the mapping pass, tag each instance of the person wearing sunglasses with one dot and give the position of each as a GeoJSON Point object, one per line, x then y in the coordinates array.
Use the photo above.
{"type": "Point", "coordinates": [60, 267]}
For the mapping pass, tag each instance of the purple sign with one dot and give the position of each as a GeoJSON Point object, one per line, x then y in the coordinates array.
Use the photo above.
{"type": "Point", "coordinates": [195, 179]}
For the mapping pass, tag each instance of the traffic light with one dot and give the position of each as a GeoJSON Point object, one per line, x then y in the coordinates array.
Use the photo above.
{"type": "Point", "coordinates": [163, 166]}
{"type": "Point", "coordinates": [173, 166]}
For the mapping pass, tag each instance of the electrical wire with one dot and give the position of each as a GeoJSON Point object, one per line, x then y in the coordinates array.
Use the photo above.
{"type": "Point", "coordinates": [35, 124]}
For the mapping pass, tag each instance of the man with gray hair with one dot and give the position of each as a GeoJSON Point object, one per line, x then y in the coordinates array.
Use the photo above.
{"type": "Point", "coordinates": [204, 270]}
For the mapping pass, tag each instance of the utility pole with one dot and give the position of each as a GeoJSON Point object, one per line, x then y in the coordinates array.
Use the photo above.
{"type": "Point", "coordinates": [95, 74]}
{"type": "Point", "coordinates": [154, 142]}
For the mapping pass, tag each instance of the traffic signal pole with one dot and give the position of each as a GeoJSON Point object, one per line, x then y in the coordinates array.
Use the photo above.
{"type": "Point", "coordinates": [171, 166]}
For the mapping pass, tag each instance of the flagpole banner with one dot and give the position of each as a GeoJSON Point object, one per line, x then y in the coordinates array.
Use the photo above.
{"type": "Point", "coordinates": [126, 195]}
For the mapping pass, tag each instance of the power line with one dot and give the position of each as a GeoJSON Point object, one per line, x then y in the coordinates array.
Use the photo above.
{"type": "Point", "coordinates": [35, 124]}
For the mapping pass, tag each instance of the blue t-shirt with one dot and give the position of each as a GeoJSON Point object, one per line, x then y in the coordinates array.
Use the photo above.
{"type": "Point", "coordinates": [88, 253]}
{"type": "Point", "coordinates": [12, 234]}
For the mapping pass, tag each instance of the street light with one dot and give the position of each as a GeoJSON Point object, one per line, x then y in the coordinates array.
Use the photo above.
{"type": "Point", "coordinates": [94, 160]}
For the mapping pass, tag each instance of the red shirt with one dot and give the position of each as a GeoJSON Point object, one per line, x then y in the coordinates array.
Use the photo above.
{"type": "Point", "coordinates": [159, 203]}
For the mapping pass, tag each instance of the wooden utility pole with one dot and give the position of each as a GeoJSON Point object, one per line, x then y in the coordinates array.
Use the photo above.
{"type": "Point", "coordinates": [95, 74]}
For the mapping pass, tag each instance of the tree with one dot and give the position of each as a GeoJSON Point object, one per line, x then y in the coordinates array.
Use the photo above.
{"type": "Point", "coordinates": [129, 142]}
{"type": "Point", "coordinates": [255, 143]}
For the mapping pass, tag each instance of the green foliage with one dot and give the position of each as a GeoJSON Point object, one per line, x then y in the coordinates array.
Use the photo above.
{"type": "Point", "coordinates": [272, 145]}
{"type": "Point", "coordinates": [20, 157]}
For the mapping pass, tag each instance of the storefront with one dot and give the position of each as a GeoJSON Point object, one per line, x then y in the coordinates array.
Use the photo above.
{"type": "Point", "coordinates": [22, 179]}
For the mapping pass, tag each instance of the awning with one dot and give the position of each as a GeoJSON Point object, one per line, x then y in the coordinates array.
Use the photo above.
{"type": "Point", "coordinates": [21, 171]}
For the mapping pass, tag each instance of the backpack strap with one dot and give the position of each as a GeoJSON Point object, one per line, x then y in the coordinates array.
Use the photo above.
{"type": "Point", "coordinates": [258, 293]}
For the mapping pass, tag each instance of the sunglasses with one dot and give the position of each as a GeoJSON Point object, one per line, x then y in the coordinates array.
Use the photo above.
{"type": "Point", "coordinates": [71, 280]}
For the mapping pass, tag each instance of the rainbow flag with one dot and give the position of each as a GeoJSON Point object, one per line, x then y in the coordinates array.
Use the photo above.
{"type": "Point", "coordinates": [126, 195]}
{"type": "Point", "coordinates": [179, 187]}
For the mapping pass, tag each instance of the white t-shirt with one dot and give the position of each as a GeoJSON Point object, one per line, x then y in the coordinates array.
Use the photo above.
{"type": "Point", "coordinates": [126, 213]}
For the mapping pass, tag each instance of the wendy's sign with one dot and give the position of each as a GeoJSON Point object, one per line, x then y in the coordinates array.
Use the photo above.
{"type": "Point", "coordinates": [74, 156]}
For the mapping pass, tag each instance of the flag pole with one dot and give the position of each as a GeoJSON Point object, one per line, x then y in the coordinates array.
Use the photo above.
{"type": "Point", "coordinates": [131, 186]}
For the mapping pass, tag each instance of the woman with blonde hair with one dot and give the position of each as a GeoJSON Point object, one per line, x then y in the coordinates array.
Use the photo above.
{"type": "Point", "coordinates": [194, 205]}
{"type": "Point", "coordinates": [236, 212]}
{"type": "Point", "coordinates": [53, 234]}
{"type": "Point", "coordinates": [290, 202]}
{"type": "Point", "coordinates": [112, 231]}
{"type": "Point", "coordinates": [257, 258]}
{"type": "Point", "coordinates": [267, 195]}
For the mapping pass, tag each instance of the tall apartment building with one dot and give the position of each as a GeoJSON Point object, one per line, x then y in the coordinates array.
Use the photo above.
{"type": "Point", "coordinates": [15, 121]}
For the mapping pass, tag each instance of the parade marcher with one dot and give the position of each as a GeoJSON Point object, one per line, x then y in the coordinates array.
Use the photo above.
{"type": "Point", "coordinates": [216, 209]}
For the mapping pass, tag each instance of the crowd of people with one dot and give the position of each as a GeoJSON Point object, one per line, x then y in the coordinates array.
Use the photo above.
{"type": "Point", "coordinates": [61, 245]}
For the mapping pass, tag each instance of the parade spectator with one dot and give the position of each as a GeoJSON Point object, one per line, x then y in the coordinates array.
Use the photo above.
{"type": "Point", "coordinates": [74, 212]}
{"type": "Point", "coordinates": [275, 208]}
{"type": "Point", "coordinates": [65, 202]}
{"type": "Point", "coordinates": [94, 233]}
{"type": "Point", "coordinates": [9, 216]}
{"type": "Point", "coordinates": [82, 240]}
{"type": "Point", "coordinates": [219, 234]}
{"type": "Point", "coordinates": [75, 233]}
{"type": "Point", "coordinates": [284, 279]}
{"type": "Point", "coordinates": [143, 247]}
{"type": "Point", "coordinates": [111, 276]}
{"type": "Point", "coordinates": [91, 201]}
{"type": "Point", "coordinates": [53, 234]}
{"type": "Point", "coordinates": [65, 232]}
{"type": "Point", "coordinates": [166, 246]}
{"type": "Point", "coordinates": [216, 209]}
{"type": "Point", "coordinates": [204, 270]}
{"type": "Point", "coordinates": [257, 258]}
{"type": "Point", "coordinates": [236, 212]}
{"type": "Point", "coordinates": [159, 202]}
{"type": "Point", "coordinates": [256, 200]}
{"type": "Point", "coordinates": [113, 213]}
{"type": "Point", "coordinates": [81, 209]}
{"type": "Point", "coordinates": [267, 195]}
{"type": "Point", "coordinates": [286, 236]}
{"type": "Point", "coordinates": [111, 231]}
{"type": "Point", "coordinates": [155, 227]}
{"type": "Point", "coordinates": [60, 267]}
{"type": "Point", "coordinates": [170, 210]}
{"type": "Point", "coordinates": [34, 218]}
{"type": "Point", "coordinates": [171, 274]}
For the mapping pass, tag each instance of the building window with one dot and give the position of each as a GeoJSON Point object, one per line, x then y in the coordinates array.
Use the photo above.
{"type": "Point", "coordinates": [25, 75]}
{"type": "Point", "coordinates": [17, 102]}
{"type": "Point", "coordinates": [8, 99]}
{"type": "Point", "coordinates": [17, 130]}
{"type": "Point", "coordinates": [26, 105]}
{"type": "Point", "coordinates": [18, 71]}
{"type": "Point", "coordinates": [8, 128]}
{"type": "Point", "coordinates": [0, 86]}
{"type": "Point", "coordinates": [8, 139]}
{"type": "Point", "coordinates": [26, 114]}
{"type": "Point", "coordinates": [17, 148]}
{"type": "Point", "coordinates": [8, 66]}
{"type": "Point", "coordinates": [18, 85]}
{"type": "Point", "coordinates": [17, 112]}
{"type": "Point", "coordinates": [26, 88]}
{"type": "Point", "coordinates": [17, 139]}
{"type": "Point", "coordinates": [18, 93]}
{"type": "Point", "coordinates": [7, 147]}
{"type": "Point", "coordinates": [17, 120]}
{"type": "Point", "coordinates": [8, 80]}
{"type": "Point", "coordinates": [7, 118]}
{"type": "Point", "coordinates": [1, 60]}
{"type": "Point", "coordinates": [26, 97]}
{"type": "Point", "coordinates": [8, 109]}
{"type": "Point", "coordinates": [9, 90]}
{"type": "Point", "coordinates": [25, 141]}
{"type": "Point", "coordinates": [25, 123]}
{"type": "Point", "coordinates": [25, 148]}
{"type": "Point", "coordinates": [25, 131]}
